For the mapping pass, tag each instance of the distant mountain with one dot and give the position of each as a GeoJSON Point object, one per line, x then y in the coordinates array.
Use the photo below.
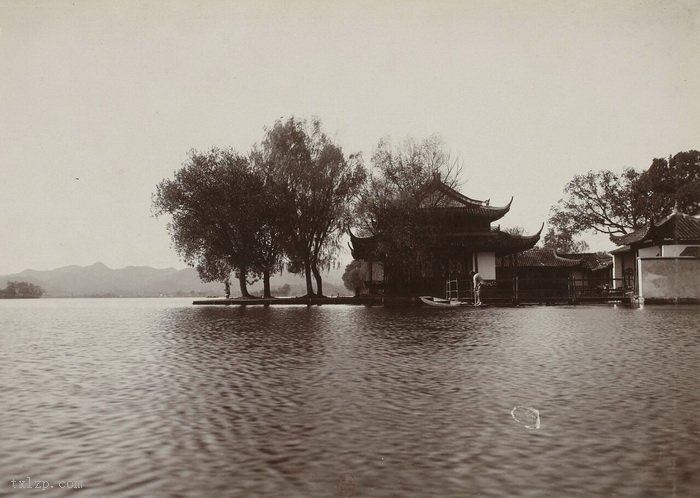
{"type": "Point", "coordinates": [99, 280]}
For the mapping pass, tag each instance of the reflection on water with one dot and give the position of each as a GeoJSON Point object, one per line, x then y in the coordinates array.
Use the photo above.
{"type": "Point", "coordinates": [156, 397]}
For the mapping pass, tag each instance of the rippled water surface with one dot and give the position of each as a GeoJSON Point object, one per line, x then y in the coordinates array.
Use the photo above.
{"type": "Point", "coordinates": [156, 397]}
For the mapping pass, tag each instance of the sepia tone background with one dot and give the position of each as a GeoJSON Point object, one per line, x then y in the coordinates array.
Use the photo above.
{"type": "Point", "coordinates": [100, 100]}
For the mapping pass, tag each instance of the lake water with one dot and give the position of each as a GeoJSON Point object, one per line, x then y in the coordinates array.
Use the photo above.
{"type": "Point", "coordinates": [156, 397]}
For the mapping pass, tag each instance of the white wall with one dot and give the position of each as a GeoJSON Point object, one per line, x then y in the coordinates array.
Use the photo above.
{"type": "Point", "coordinates": [649, 252]}
{"type": "Point", "coordinates": [673, 251]}
{"type": "Point", "coordinates": [486, 263]}
{"type": "Point", "coordinates": [622, 260]}
{"type": "Point", "coordinates": [670, 279]}
{"type": "Point", "coordinates": [617, 268]}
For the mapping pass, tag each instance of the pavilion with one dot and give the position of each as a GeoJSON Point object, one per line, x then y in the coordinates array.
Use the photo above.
{"type": "Point", "coordinates": [461, 239]}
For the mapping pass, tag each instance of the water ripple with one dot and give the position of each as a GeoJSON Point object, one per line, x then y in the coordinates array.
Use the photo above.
{"type": "Point", "coordinates": [156, 397]}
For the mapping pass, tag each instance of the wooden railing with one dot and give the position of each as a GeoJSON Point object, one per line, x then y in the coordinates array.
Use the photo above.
{"type": "Point", "coordinates": [539, 290]}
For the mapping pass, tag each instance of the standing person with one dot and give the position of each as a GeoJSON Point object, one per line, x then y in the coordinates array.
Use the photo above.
{"type": "Point", "coordinates": [227, 288]}
{"type": "Point", "coordinates": [477, 279]}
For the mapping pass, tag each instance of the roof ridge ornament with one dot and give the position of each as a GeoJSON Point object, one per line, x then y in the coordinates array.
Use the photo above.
{"type": "Point", "coordinates": [539, 232]}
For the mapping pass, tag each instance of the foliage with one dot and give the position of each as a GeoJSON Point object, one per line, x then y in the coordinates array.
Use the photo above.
{"type": "Point", "coordinates": [602, 201]}
{"type": "Point", "coordinates": [218, 214]}
{"type": "Point", "coordinates": [393, 199]}
{"type": "Point", "coordinates": [318, 185]}
{"type": "Point", "coordinates": [270, 219]}
{"type": "Point", "coordinates": [514, 230]}
{"type": "Point", "coordinates": [16, 289]}
{"type": "Point", "coordinates": [609, 203]}
{"type": "Point", "coordinates": [283, 290]}
{"type": "Point", "coordinates": [671, 183]}
{"type": "Point", "coordinates": [564, 242]}
{"type": "Point", "coordinates": [354, 277]}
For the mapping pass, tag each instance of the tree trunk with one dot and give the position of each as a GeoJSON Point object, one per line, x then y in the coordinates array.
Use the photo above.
{"type": "Point", "coordinates": [307, 271]}
{"type": "Point", "coordinates": [244, 284]}
{"type": "Point", "coordinates": [266, 284]}
{"type": "Point", "coordinates": [319, 283]}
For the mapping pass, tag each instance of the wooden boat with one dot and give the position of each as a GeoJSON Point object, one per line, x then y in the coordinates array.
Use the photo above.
{"type": "Point", "coordinates": [440, 302]}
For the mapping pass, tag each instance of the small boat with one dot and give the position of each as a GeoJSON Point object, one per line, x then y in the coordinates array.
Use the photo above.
{"type": "Point", "coordinates": [440, 302]}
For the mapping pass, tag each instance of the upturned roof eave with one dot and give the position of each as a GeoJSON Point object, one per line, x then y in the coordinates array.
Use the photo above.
{"type": "Point", "coordinates": [676, 227]}
{"type": "Point", "coordinates": [501, 243]}
{"type": "Point", "coordinates": [468, 201]}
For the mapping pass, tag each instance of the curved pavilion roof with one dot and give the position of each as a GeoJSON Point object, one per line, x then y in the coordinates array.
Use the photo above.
{"type": "Point", "coordinates": [501, 243]}
{"type": "Point", "coordinates": [676, 227]}
{"type": "Point", "coordinates": [363, 247]}
{"type": "Point", "coordinates": [442, 197]}
{"type": "Point", "coordinates": [550, 258]}
{"type": "Point", "coordinates": [470, 226]}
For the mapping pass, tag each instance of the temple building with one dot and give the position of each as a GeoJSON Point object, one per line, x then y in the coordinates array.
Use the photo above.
{"type": "Point", "coordinates": [660, 261]}
{"type": "Point", "coordinates": [460, 238]}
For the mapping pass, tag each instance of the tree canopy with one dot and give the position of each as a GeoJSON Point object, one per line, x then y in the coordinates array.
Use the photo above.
{"type": "Point", "coordinates": [289, 200]}
{"type": "Point", "coordinates": [602, 201]}
{"type": "Point", "coordinates": [611, 203]}
{"type": "Point", "coordinates": [563, 242]}
{"type": "Point", "coordinates": [669, 184]}
{"type": "Point", "coordinates": [354, 277]}
{"type": "Point", "coordinates": [220, 215]}
{"type": "Point", "coordinates": [317, 185]}
{"type": "Point", "coordinates": [17, 290]}
{"type": "Point", "coordinates": [394, 195]}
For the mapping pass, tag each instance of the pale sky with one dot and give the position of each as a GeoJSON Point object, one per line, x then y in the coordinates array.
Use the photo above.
{"type": "Point", "coordinates": [100, 100]}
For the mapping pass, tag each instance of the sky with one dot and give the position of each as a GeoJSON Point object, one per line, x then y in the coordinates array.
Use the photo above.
{"type": "Point", "coordinates": [101, 100]}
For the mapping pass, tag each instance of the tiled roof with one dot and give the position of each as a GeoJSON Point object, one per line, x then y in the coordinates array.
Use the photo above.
{"type": "Point", "coordinates": [548, 258]}
{"type": "Point", "coordinates": [441, 196]}
{"type": "Point", "coordinates": [489, 212]}
{"type": "Point", "coordinates": [539, 258]}
{"type": "Point", "coordinates": [501, 243]}
{"type": "Point", "coordinates": [686, 228]}
{"type": "Point", "coordinates": [590, 260]}
{"type": "Point", "coordinates": [677, 227]}
{"type": "Point", "coordinates": [630, 238]}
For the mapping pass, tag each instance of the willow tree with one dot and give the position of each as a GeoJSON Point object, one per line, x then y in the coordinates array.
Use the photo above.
{"type": "Point", "coordinates": [220, 213]}
{"type": "Point", "coordinates": [268, 237]}
{"type": "Point", "coordinates": [317, 185]}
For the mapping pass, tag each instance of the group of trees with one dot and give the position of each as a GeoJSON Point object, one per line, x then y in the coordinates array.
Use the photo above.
{"type": "Point", "coordinates": [286, 202]}
{"type": "Point", "coordinates": [16, 290]}
{"type": "Point", "coordinates": [615, 204]}
{"type": "Point", "coordinates": [395, 201]}
{"type": "Point", "coordinates": [395, 206]}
